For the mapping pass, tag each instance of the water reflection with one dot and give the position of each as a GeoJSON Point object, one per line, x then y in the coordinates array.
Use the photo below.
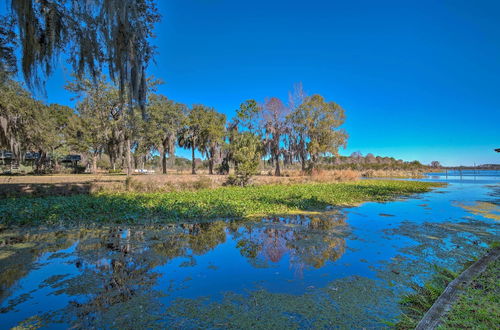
{"type": "Point", "coordinates": [294, 272]}
{"type": "Point", "coordinates": [309, 241]}
{"type": "Point", "coordinates": [116, 275]}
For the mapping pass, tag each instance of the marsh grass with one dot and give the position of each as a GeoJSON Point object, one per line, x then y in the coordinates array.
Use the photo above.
{"type": "Point", "coordinates": [478, 306]}
{"type": "Point", "coordinates": [334, 175]}
{"type": "Point", "coordinates": [411, 174]}
{"type": "Point", "coordinates": [415, 305]}
{"type": "Point", "coordinates": [225, 202]}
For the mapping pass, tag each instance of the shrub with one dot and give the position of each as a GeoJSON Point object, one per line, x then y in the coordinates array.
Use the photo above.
{"type": "Point", "coordinates": [246, 149]}
{"type": "Point", "coordinates": [79, 169]}
{"type": "Point", "coordinates": [202, 183]}
{"type": "Point", "coordinates": [238, 180]}
{"type": "Point", "coordinates": [223, 168]}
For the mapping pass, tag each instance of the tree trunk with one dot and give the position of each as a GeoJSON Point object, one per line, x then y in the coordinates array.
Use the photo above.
{"type": "Point", "coordinates": [164, 161]}
{"type": "Point", "coordinates": [112, 160]}
{"type": "Point", "coordinates": [38, 162]}
{"type": "Point", "coordinates": [129, 158]}
{"type": "Point", "coordinates": [193, 165]}
{"type": "Point", "coordinates": [172, 159]}
{"type": "Point", "coordinates": [312, 163]}
{"type": "Point", "coordinates": [94, 163]}
{"type": "Point", "coordinates": [211, 166]}
{"type": "Point", "coordinates": [303, 162]}
{"type": "Point", "coordinates": [137, 162]}
{"type": "Point", "coordinates": [56, 163]}
{"type": "Point", "coordinates": [211, 156]}
{"type": "Point", "coordinates": [277, 171]}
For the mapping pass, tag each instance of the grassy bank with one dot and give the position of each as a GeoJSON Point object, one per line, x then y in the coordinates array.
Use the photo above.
{"type": "Point", "coordinates": [226, 202]}
{"type": "Point", "coordinates": [478, 305]}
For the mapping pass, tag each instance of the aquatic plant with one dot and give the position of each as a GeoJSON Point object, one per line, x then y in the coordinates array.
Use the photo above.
{"type": "Point", "coordinates": [226, 202]}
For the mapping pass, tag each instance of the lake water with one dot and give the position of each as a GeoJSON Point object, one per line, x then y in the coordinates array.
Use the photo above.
{"type": "Point", "coordinates": [344, 268]}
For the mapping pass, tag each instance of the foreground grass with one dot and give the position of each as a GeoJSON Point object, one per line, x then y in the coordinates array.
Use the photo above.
{"type": "Point", "coordinates": [479, 305]}
{"type": "Point", "coordinates": [415, 305]}
{"type": "Point", "coordinates": [226, 202]}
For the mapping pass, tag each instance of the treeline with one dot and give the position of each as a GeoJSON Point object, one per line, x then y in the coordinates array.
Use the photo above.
{"type": "Point", "coordinates": [356, 161]}
{"type": "Point", "coordinates": [303, 130]}
{"type": "Point", "coordinates": [302, 133]}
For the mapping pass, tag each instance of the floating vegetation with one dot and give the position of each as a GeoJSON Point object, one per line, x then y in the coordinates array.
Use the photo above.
{"type": "Point", "coordinates": [227, 202]}
{"type": "Point", "coordinates": [444, 244]}
{"type": "Point", "coordinates": [351, 302]}
{"type": "Point", "coordinates": [485, 209]}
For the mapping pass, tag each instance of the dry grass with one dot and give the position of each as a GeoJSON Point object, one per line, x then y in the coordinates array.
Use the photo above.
{"type": "Point", "coordinates": [335, 175]}
{"type": "Point", "coordinates": [89, 183]}
{"type": "Point", "coordinates": [415, 174]}
{"type": "Point", "coordinates": [160, 183]}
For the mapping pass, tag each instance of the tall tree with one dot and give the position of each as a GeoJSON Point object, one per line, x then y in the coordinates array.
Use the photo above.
{"type": "Point", "coordinates": [49, 134]}
{"type": "Point", "coordinates": [101, 112]}
{"type": "Point", "coordinates": [212, 136]}
{"type": "Point", "coordinates": [8, 62]}
{"type": "Point", "coordinates": [114, 33]}
{"type": "Point", "coordinates": [165, 119]}
{"type": "Point", "coordinates": [247, 116]}
{"type": "Point", "coordinates": [319, 121]}
{"type": "Point", "coordinates": [30, 125]}
{"type": "Point", "coordinates": [16, 116]}
{"type": "Point", "coordinates": [190, 135]}
{"type": "Point", "coordinates": [298, 129]}
{"type": "Point", "coordinates": [274, 127]}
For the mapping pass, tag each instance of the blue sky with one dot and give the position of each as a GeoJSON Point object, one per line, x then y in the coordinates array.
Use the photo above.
{"type": "Point", "coordinates": [417, 79]}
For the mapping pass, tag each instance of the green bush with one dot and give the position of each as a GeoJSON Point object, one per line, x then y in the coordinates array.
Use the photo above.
{"type": "Point", "coordinates": [238, 180]}
{"type": "Point", "coordinates": [246, 150]}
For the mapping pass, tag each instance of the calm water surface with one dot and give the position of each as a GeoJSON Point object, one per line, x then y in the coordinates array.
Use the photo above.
{"type": "Point", "coordinates": [344, 268]}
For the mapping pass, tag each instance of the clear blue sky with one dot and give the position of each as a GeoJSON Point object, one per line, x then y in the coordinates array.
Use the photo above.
{"type": "Point", "coordinates": [418, 79]}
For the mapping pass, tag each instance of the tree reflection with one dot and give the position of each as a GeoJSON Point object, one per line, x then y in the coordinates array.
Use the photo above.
{"type": "Point", "coordinates": [20, 249]}
{"type": "Point", "coordinates": [118, 270]}
{"type": "Point", "coordinates": [116, 280]}
{"type": "Point", "coordinates": [308, 240]}
{"type": "Point", "coordinates": [115, 277]}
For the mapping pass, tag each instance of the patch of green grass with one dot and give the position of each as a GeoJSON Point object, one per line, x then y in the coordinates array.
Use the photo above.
{"type": "Point", "coordinates": [479, 306]}
{"type": "Point", "coordinates": [415, 305]}
{"type": "Point", "coordinates": [225, 202]}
